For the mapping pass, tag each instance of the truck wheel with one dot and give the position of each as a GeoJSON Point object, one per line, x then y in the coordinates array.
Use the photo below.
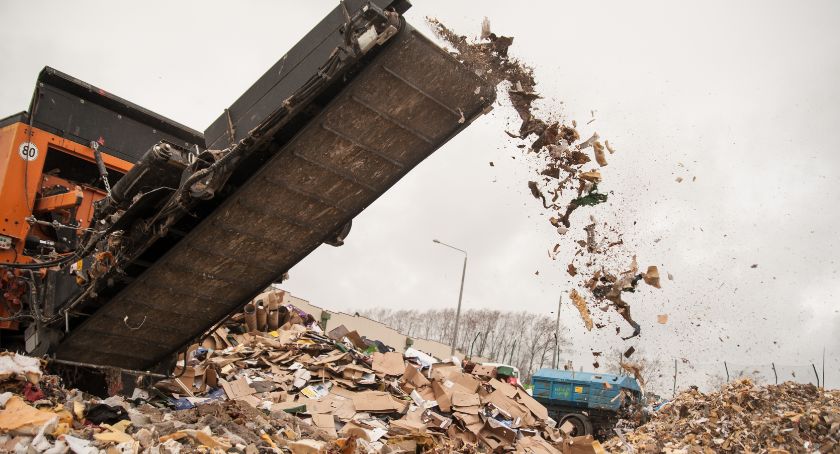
{"type": "Point", "coordinates": [580, 424]}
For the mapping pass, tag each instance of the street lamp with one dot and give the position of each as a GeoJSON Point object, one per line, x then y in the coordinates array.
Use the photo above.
{"type": "Point", "coordinates": [460, 294]}
{"type": "Point", "coordinates": [556, 356]}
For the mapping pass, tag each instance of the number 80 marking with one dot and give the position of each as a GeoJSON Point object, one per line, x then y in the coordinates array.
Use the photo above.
{"type": "Point", "coordinates": [28, 151]}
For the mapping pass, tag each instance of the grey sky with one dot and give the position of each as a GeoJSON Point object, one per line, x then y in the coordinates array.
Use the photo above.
{"type": "Point", "coordinates": [741, 95]}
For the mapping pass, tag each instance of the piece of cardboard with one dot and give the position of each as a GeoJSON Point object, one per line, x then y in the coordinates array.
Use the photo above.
{"type": "Point", "coordinates": [417, 398]}
{"type": "Point", "coordinates": [338, 333]}
{"type": "Point", "coordinates": [403, 446]}
{"type": "Point", "coordinates": [376, 402]}
{"type": "Point", "coordinates": [237, 388]}
{"type": "Point", "coordinates": [426, 392]}
{"type": "Point", "coordinates": [19, 418]}
{"type": "Point", "coordinates": [390, 363]}
{"type": "Point", "coordinates": [221, 334]}
{"type": "Point", "coordinates": [414, 377]}
{"type": "Point", "coordinates": [583, 445]}
{"type": "Point", "coordinates": [495, 435]}
{"type": "Point", "coordinates": [567, 427]}
{"type": "Point", "coordinates": [442, 371]}
{"type": "Point", "coordinates": [356, 340]}
{"type": "Point", "coordinates": [307, 446]}
{"type": "Point", "coordinates": [354, 371]}
{"type": "Point", "coordinates": [278, 396]}
{"type": "Point", "coordinates": [407, 427]}
{"type": "Point", "coordinates": [442, 397]}
{"type": "Point", "coordinates": [651, 277]}
{"type": "Point", "coordinates": [466, 382]}
{"type": "Point", "coordinates": [473, 423]}
{"type": "Point", "coordinates": [456, 433]}
{"type": "Point", "coordinates": [471, 410]}
{"type": "Point", "coordinates": [506, 389]}
{"type": "Point", "coordinates": [345, 411]}
{"type": "Point", "coordinates": [263, 386]}
{"type": "Point", "coordinates": [333, 357]}
{"type": "Point", "coordinates": [536, 408]}
{"type": "Point", "coordinates": [343, 392]}
{"type": "Point", "coordinates": [362, 431]}
{"type": "Point", "coordinates": [185, 378]}
{"type": "Point", "coordinates": [211, 378]}
{"type": "Point", "coordinates": [301, 378]}
{"type": "Point", "coordinates": [222, 361]}
{"type": "Point", "coordinates": [484, 371]}
{"type": "Point", "coordinates": [507, 405]}
{"type": "Point", "coordinates": [290, 406]}
{"type": "Point", "coordinates": [535, 445]}
{"type": "Point", "coordinates": [326, 422]}
{"type": "Point", "coordinates": [462, 399]}
{"type": "Point", "coordinates": [250, 400]}
{"type": "Point", "coordinates": [186, 387]}
{"type": "Point", "coordinates": [436, 420]}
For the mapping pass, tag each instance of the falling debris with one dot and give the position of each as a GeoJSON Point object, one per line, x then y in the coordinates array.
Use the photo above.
{"type": "Point", "coordinates": [535, 191]}
{"type": "Point", "coordinates": [593, 176]}
{"type": "Point", "coordinates": [599, 154]}
{"type": "Point", "coordinates": [636, 370]}
{"type": "Point", "coordinates": [485, 28]}
{"type": "Point", "coordinates": [563, 185]}
{"type": "Point", "coordinates": [651, 277]}
{"type": "Point", "coordinates": [581, 306]}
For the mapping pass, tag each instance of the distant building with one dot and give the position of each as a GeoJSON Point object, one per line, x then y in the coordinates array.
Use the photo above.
{"type": "Point", "coordinates": [371, 329]}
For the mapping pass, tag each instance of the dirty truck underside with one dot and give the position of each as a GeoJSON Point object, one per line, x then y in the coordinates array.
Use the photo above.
{"type": "Point", "coordinates": [315, 141]}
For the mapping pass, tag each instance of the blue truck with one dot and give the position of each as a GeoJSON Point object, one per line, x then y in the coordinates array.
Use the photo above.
{"type": "Point", "coordinates": [591, 402]}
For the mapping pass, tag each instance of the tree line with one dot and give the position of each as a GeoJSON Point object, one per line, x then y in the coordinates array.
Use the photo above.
{"type": "Point", "coordinates": [520, 339]}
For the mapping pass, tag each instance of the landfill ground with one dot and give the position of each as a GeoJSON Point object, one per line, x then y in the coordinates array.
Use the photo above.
{"type": "Point", "coordinates": [279, 383]}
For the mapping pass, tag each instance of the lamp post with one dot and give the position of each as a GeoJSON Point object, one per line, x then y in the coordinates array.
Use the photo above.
{"type": "Point", "coordinates": [556, 356]}
{"type": "Point", "coordinates": [460, 294]}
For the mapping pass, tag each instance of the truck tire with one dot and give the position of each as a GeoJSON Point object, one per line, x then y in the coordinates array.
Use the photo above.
{"type": "Point", "coordinates": [581, 424]}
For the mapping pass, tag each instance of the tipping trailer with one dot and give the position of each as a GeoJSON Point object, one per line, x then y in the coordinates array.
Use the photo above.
{"type": "Point", "coordinates": [591, 403]}
{"type": "Point", "coordinates": [125, 236]}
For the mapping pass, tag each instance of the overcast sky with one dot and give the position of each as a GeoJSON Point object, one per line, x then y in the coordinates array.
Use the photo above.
{"type": "Point", "coordinates": [744, 96]}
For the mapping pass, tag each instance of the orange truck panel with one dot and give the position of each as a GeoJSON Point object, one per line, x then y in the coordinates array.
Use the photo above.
{"type": "Point", "coordinates": [21, 162]}
{"type": "Point", "coordinates": [59, 201]}
{"type": "Point", "coordinates": [22, 154]}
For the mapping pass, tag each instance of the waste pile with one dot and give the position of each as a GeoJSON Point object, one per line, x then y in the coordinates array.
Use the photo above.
{"type": "Point", "coordinates": [566, 178]}
{"type": "Point", "coordinates": [741, 417]}
{"type": "Point", "coordinates": [271, 380]}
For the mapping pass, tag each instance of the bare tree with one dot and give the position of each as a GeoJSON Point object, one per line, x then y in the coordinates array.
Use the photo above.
{"type": "Point", "coordinates": [650, 367]}
{"type": "Point", "coordinates": [521, 339]}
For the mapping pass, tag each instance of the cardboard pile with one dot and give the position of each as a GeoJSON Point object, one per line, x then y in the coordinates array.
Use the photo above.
{"type": "Point", "coordinates": [291, 389]}
{"type": "Point", "coordinates": [347, 386]}
{"type": "Point", "coordinates": [742, 417]}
